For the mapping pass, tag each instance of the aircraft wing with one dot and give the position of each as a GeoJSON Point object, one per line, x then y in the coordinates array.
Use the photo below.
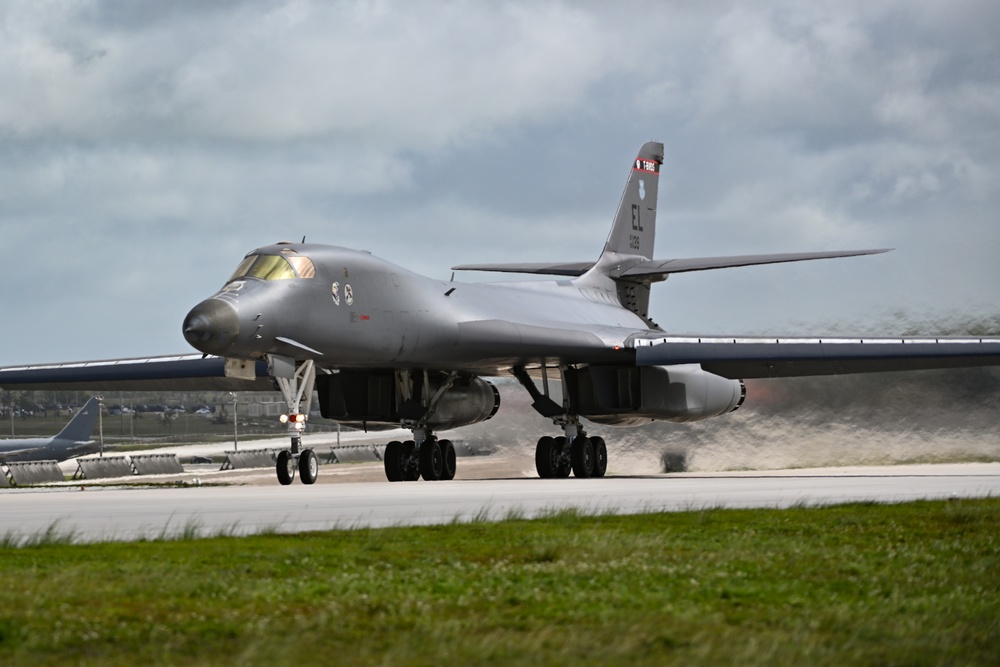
{"type": "Point", "coordinates": [540, 268]}
{"type": "Point", "coordinates": [192, 372]}
{"type": "Point", "coordinates": [745, 358]}
{"type": "Point", "coordinates": [658, 268]}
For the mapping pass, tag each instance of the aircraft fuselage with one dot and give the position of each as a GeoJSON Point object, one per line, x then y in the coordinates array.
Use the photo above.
{"type": "Point", "coordinates": [356, 310]}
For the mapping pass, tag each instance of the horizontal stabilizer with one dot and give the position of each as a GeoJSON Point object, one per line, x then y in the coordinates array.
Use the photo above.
{"type": "Point", "coordinates": [789, 357]}
{"type": "Point", "coordinates": [658, 268]}
{"type": "Point", "coordinates": [191, 372]}
{"type": "Point", "coordinates": [663, 267]}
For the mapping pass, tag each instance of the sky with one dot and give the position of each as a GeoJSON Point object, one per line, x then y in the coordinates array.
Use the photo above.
{"type": "Point", "coordinates": [147, 146]}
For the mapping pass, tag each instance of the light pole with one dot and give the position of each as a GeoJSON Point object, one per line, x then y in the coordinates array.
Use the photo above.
{"type": "Point", "coordinates": [236, 428]}
{"type": "Point", "coordinates": [100, 422]}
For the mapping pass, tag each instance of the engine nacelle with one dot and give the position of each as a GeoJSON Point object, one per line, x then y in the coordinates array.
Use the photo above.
{"type": "Point", "coordinates": [628, 395]}
{"type": "Point", "coordinates": [465, 404]}
{"type": "Point", "coordinates": [370, 399]}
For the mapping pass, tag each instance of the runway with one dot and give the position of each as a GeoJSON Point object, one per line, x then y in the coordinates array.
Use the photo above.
{"type": "Point", "coordinates": [118, 513]}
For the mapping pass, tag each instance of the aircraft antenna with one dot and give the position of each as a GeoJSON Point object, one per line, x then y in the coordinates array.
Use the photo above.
{"type": "Point", "coordinates": [303, 238]}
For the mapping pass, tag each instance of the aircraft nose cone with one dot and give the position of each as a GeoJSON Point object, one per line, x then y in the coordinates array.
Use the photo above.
{"type": "Point", "coordinates": [212, 327]}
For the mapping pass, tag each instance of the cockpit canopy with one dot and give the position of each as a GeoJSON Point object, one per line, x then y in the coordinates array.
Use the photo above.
{"type": "Point", "coordinates": [274, 267]}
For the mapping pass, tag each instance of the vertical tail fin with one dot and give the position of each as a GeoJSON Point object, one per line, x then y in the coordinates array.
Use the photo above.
{"type": "Point", "coordinates": [81, 426]}
{"type": "Point", "coordinates": [633, 232]}
{"type": "Point", "coordinates": [630, 242]}
{"type": "Point", "coordinates": [634, 229]}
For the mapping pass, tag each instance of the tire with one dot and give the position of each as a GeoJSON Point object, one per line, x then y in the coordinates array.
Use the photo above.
{"type": "Point", "coordinates": [411, 466]}
{"type": "Point", "coordinates": [600, 457]}
{"type": "Point", "coordinates": [308, 466]}
{"type": "Point", "coordinates": [283, 466]}
{"type": "Point", "coordinates": [393, 460]}
{"type": "Point", "coordinates": [449, 460]}
{"type": "Point", "coordinates": [546, 461]}
{"type": "Point", "coordinates": [582, 457]}
{"type": "Point", "coordinates": [564, 465]}
{"type": "Point", "coordinates": [431, 461]}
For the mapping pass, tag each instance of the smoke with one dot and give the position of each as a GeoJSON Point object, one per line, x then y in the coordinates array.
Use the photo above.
{"type": "Point", "coordinates": [867, 419]}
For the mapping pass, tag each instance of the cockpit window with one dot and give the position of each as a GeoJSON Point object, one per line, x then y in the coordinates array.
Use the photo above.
{"type": "Point", "coordinates": [242, 269]}
{"type": "Point", "coordinates": [274, 267]}
{"type": "Point", "coordinates": [303, 266]}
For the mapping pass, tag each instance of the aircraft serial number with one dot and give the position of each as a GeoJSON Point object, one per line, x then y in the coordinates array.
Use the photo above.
{"type": "Point", "coordinates": [647, 165]}
{"type": "Point", "coordinates": [633, 242]}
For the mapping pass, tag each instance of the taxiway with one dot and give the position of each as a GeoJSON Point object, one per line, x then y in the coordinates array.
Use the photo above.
{"type": "Point", "coordinates": [95, 513]}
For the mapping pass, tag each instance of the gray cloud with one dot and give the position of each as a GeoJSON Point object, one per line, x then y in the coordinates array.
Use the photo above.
{"type": "Point", "coordinates": [146, 146]}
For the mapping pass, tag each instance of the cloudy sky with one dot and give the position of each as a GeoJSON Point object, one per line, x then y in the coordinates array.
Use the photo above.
{"type": "Point", "coordinates": [145, 147]}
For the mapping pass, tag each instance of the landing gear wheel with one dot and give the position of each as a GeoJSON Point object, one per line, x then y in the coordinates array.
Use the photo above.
{"type": "Point", "coordinates": [285, 467]}
{"type": "Point", "coordinates": [600, 457]}
{"type": "Point", "coordinates": [411, 466]}
{"type": "Point", "coordinates": [546, 457]}
{"type": "Point", "coordinates": [393, 460]}
{"type": "Point", "coordinates": [582, 457]}
{"type": "Point", "coordinates": [450, 465]}
{"type": "Point", "coordinates": [565, 465]}
{"type": "Point", "coordinates": [431, 461]}
{"type": "Point", "coordinates": [308, 466]}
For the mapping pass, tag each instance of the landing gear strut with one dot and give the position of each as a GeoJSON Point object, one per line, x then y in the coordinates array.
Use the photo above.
{"type": "Point", "coordinates": [575, 451]}
{"type": "Point", "coordinates": [424, 457]}
{"type": "Point", "coordinates": [297, 389]}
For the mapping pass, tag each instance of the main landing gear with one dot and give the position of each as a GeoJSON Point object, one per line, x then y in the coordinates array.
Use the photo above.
{"type": "Point", "coordinates": [433, 460]}
{"type": "Point", "coordinates": [425, 457]}
{"type": "Point", "coordinates": [573, 452]}
{"type": "Point", "coordinates": [585, 457]}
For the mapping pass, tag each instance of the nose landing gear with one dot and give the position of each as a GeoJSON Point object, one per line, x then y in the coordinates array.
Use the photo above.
{"type": "Point", "coordinates": [297, 391]}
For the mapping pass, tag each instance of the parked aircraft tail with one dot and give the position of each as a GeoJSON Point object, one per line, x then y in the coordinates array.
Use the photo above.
{"type": "Point", "coordinates": [81, 426]}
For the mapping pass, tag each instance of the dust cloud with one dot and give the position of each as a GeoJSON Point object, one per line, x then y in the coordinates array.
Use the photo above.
{"type": "Point", "coordinates": [872, 419]}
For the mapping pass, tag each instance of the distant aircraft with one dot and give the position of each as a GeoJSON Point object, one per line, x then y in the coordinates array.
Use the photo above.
{"type": "Point", "coordinates": [73, 440]}
{"type": "Point", "coordinates": [385, 347]}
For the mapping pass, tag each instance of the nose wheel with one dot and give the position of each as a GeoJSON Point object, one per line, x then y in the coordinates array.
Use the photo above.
{"type": "Point", "coordinates": [306, 462]}
{"type": "Point", "coordinates": [285, 467]}
{"type": "Point", "coordinates": [297, 389]}
{"type": "Point", "coordinates": [308, 466]}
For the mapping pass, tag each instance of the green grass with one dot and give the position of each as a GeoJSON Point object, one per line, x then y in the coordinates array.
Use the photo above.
{"type": "Point", "coordinates": [910, 584]}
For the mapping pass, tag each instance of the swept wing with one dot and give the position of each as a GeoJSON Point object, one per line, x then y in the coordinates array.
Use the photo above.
{"type": "Point", "coordinates": [745, 358]}
{"type": "Point", "coordinates": [191, 372]}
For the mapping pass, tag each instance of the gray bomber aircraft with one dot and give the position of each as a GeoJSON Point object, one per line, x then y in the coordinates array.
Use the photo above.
{"type": "Point", "coordinates": [73, 440]}
{"type": "Point", "coordinates": [385, 347]}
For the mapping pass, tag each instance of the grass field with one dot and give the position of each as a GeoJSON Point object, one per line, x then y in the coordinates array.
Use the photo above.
{"type": "Point", "coordinates": [914, 584]}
